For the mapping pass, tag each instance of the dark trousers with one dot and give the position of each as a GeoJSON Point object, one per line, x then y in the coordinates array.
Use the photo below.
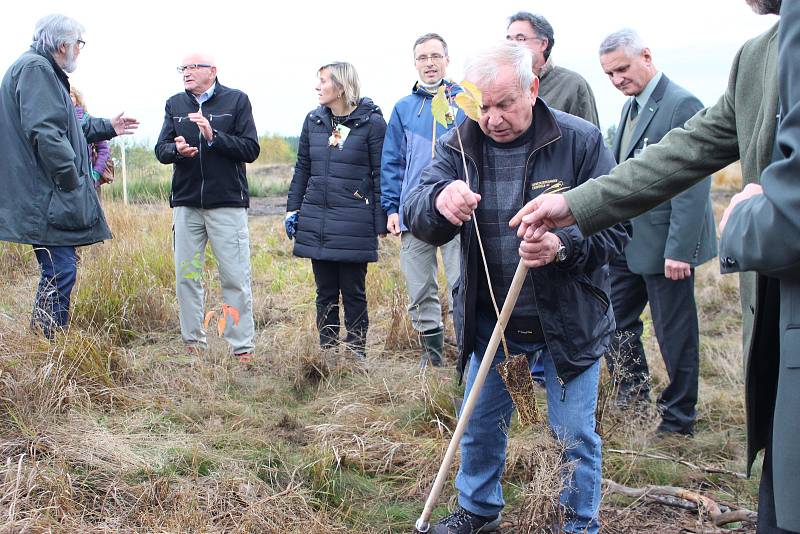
{"type": "Point", "coordinates": [674, 313]}
{"type": "Point", "coordinates": [349, 280]}
{"type": "Point", "coordinates": [58, 267]}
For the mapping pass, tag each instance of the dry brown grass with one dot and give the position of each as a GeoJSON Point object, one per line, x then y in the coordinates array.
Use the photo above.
{"type": "Point", "coordinates": [113, 428]}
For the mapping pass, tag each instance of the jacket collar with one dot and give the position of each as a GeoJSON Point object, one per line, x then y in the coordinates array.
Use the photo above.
{"type": "Point", "coordinates": [449, 86]}
{"type": "Point", "coordinates": [365, 108]}
{"type": "Point", "coordinates": [60, 74]}
{"type": "Point", "coordinates": [472, 136]}
{"type": "Point", "coordinates": [218, 89]}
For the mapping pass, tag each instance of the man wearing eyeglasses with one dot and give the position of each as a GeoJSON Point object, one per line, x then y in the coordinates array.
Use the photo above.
{"type": "Point", "coordinates": [208, 135]}
{"type": "Point", "coordinates": [560, 88]}
{"type": "Point", "coordinates": [407, 150]}
{"type": "Point", "coordinates": [48, 198]}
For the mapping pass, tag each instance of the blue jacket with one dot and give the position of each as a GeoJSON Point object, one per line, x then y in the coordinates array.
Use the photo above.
{"type": "Point", "coordinates": [407, 146]}
{"type": "Point", "coordinates": [572, 297]}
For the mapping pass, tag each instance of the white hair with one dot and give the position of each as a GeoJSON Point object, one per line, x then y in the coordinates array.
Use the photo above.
{"type": "Point", "coordinates": [625, 38]}
{"type": "Point", "coordinates": [483, 68]}
{"type": "Point", "coordinates": [54, 30]}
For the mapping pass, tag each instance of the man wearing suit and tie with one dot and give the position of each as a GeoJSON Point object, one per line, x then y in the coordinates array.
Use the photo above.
{"type": "Point", "coordinates": [668, 242]}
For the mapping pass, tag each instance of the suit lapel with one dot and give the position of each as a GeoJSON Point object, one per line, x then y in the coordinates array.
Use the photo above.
{"type": "Point", "coordinates": [615, 147]}
{"type": "Point", "coordinates": [646, 115]}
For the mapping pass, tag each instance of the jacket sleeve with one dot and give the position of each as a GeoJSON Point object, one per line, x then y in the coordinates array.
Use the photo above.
{"type": "Point", "coordinates": [683, 157]}
{"type": "Point", "coordinates": [242, 143]}
{"type": "Point", "coordinates": [762, 232]}
{"type": "Point", "coordinates": [377, 133]}
{"type": "Point", "coordinates": [586, 254]}
{"type": "Point", "coordinates": [165, 146]}
{"type": "Point", "coordinates": [393, 164]}
{"type": "Point", "coordinates": [688, 214]}
{"type": "Point", "coordinates": [302, 171]}
{"type": "Point", "coordinates": [419, 209]}
{"type": "Point", "coordinates": [44, 120]}
{"type": "Point", "coordinates": [96, 130]}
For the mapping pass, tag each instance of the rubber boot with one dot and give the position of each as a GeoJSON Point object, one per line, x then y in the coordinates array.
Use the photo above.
{"type": "Point", "coordinates": [433, 345]}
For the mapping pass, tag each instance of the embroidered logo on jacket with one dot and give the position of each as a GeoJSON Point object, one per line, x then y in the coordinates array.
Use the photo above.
{"type": "Point", "coordinates": [551, 185]}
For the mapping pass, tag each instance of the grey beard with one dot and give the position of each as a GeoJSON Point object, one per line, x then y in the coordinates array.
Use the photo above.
{"type": "Point", "coordinates": [70, 62]}
{"type": "Point", "coordinates": [765, 7]}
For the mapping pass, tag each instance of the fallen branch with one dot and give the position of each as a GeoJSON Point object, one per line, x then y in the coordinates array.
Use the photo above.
{"type": "Point", "coordinates": [683, 498]}
{"type": "Point", "coordinates": [690, 465]}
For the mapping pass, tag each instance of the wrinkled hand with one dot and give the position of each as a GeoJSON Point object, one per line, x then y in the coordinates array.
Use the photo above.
{"type": "Point", "coordinates": [750, 190]}
{"type": "Point", "coordinates": [677, 270]}
{"type": "Point", "coordinates": [393, 224]}
{"type": "Point", "coordinates": [124, 125]}
{"type": "Point", "coordinates": [541, 215]}
{"type": "Point", "coordinates": [456, 202]}
{"type": "Point", "coordinates": [539, 252]}
{"type": "Point", "coordinates": [203, 124]}
{"type": "Point", "coordinates": [184, 148]}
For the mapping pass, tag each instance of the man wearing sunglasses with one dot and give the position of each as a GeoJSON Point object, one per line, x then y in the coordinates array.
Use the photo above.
{"type": "Point", "coordinates": [208, 135]}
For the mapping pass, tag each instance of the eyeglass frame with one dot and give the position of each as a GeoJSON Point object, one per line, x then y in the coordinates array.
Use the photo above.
{"type": "Point", "coordinates": [432, 57]}
{"type": "Point", "coordinates": [522, 38]}
{"type": "Point", "coordinates": [81, 43]}
{"type": "Point", "coordinates": [193, 66]}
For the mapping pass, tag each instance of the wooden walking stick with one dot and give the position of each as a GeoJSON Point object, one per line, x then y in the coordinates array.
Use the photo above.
{"type": "Point", "coordinates": [423, 523]}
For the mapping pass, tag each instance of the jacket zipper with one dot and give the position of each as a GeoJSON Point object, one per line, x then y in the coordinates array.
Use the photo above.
{"type": "Point", "coordinates": [464, 273]}
{"type": "Point", "coordinates": [533, 284]}
{"type": "Point", "coordinates": [325, 178]}
{"type": "Point", "coordinates": [202, 174]}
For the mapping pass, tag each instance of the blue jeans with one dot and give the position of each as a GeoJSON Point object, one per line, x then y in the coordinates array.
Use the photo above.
{"type": "Point", "coordinates": [572, 420]}
{"type": "Point", "coordinates": [58, 266]}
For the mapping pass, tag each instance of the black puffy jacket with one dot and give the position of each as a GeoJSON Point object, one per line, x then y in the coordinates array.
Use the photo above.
{"type": "Point", "coordinates": [215, 177]}
{"type": "Point", "coordinates": [337, 190]}
{"type": "Point", "coordinates": [572, 297]}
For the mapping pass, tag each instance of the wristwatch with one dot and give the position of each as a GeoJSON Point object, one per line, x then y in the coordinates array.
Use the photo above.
{"type": "Point", "coordinates": [561, 252]}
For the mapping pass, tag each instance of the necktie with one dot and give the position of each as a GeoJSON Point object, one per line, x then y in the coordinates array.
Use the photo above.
{"type": "Point", "coordinates": [634, 109]}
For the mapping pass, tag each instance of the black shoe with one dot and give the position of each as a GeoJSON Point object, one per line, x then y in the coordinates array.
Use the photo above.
{"type": "Point", "coordinates": [664, 430]}
{"type": "Point", "coordinates": [463, 522]}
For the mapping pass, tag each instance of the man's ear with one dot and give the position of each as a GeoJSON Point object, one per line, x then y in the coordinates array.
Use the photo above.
{"type": "Point", "coordinates": [534, 89]}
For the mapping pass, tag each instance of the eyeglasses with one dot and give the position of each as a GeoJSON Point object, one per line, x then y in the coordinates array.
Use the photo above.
{"type": "Point", "coordinates": [432, 57]}
{"type": "Point", "coordinates": [192, 66]}
{"type": "Point", "coordinates": [520, 38]}
{"type": "Point", "coordinates": [81, 43]}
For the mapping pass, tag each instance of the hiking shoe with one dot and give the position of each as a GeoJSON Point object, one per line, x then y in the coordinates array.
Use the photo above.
{"type": "Point", "coordinates": [462, 521]}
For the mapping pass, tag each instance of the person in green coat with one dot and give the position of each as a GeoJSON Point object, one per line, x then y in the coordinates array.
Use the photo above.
{"type": "Point", "coordinates": [759, 233]}
{"type": "Point", "coordinates": [741, 125]}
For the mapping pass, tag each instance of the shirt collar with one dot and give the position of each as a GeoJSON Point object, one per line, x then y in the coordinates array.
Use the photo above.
{"type": "Point", "coordinates": [207, 94]}
{"type": "Point", "coordinates": [643, 97]}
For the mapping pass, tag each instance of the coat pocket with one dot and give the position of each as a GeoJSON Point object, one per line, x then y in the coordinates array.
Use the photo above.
{"type": "Point", "coordinates": [77, 209]}
{"type": "Point", "coordinates": [790, 348]}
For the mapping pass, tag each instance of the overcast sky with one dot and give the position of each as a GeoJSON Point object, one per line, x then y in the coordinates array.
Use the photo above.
{"type": "Point", "coordinates": [272, 50]}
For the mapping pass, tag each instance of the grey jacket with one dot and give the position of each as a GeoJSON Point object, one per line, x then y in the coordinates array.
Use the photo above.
{"type": "Point", "coordinates": [681, 228]}
{"type": "Point", "coordinates": [48, 194]}
{"type": "Point", "coordinates": [763, 235]}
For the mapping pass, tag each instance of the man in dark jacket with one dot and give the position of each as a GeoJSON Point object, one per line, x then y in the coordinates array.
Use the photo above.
{"type": "Point", "coordinates": [48, 195]}
{"type": "Point", "coordinates": [563, 316]}
{"type": "Point", "coordinates": [761, 234]}
{"type": "Point", "coordinates": [668, 242]}
{"type": "Point", "coordinates": [208, 136]}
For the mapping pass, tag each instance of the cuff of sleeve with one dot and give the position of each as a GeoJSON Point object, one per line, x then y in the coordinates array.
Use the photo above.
{"type": "Point", "coordinates": [579, 204]}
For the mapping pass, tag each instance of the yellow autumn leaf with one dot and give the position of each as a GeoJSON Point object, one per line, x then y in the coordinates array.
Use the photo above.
{"type": "Point", "coordinates": [440, 107]}
{"type": "Point", "coordinates": [470, 100]}
{"type": "Point", "coordinates": [221, 325]}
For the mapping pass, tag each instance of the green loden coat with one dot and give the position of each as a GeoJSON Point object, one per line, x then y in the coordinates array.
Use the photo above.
{"type": "Point", "coordinates": [741, 125]}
